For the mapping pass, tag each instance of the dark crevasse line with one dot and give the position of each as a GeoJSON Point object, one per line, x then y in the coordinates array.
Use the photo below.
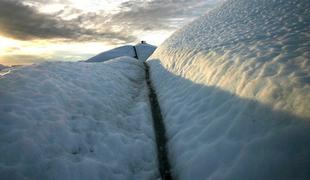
{"type": "Point", "coordinates": [159, 129]}
{"type": "Point", "coordinates": [136, 54]}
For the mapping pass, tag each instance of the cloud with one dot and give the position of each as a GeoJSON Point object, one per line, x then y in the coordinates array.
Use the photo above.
{"type": "Point", "coordinates": [30, 59]}
{"type": "Point", "coordinates": [159, 14]}
{"type": "Point", "coordinates": [25, 22]}
{"type": "Point", "coordinates": [20, 59]}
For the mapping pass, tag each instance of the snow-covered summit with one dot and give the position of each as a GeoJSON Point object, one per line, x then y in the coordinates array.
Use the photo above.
{"type": "Point", "coordinates": [235, 93]}
{"type": "Point", "coordinates": [140, 51]}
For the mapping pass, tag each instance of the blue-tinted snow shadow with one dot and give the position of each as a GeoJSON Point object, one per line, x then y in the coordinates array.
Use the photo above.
{"type": "Point", "coordinates": [231, 136]}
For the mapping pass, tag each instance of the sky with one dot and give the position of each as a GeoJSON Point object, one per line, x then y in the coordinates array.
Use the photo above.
{"type": "Point", "coordinates": [32, 31]}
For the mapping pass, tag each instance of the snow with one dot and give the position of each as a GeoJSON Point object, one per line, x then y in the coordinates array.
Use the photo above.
{"type": "Point", "coordinates": [62, 120]}
{"type": "Point", "coordinates": [233, 87]}
{"type": "Point", "coordinates": [4, 70]}
{"type": "Point", "coordinates": [2, 67]}
{"type": "Point", "coordinates": [143, 52]}
{"type": "Point", "coordinates": [113, 53]}
{"type": "Point", "coordinates": [235, 94]}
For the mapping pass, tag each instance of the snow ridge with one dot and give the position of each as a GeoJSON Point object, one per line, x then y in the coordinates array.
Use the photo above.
{"type": "Point", "coordinates": [233, 87]}
{"type": "Point", "coordinates": [77, 121]}
{"type": "Point", "coordinates": [140, 51]}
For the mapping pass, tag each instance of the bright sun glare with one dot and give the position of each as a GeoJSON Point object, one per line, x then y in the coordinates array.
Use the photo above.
{"type": "Point", "coordinates": [48, 50]}
{"type": "Point", "coordinates": [6, 44]}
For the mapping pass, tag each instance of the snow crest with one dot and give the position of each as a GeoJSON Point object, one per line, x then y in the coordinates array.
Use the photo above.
{"type": "Point", "coordinates": [76, 121]}
{"type": "Point", "coordinates": [234, 90]}
{"type": "Point", "coordinates": [139, 51]}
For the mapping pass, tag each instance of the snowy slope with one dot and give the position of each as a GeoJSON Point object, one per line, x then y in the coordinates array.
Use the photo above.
{"type": "Point", "coordinates": [4, 70]}
{"type": "Point", "coordinates": [113, 53]}
{"type": "Point", "coordinates": [234, 88]}
{"type": "Point", "coordinates": [143, 52]}
{"type": "Point", "coordinates": [76, 121]}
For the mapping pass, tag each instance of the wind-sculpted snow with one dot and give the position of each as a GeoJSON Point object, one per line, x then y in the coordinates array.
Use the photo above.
{"type": "Point", "coordinates": [234, 88]}
{"type": "Point", "coordinates": [76, 121]}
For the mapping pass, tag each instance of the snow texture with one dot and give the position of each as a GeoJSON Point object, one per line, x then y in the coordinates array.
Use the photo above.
{"type": "Point", "coordinates": [76, 121]}
{"type": "Point", "coordinates": [143, 52]}
{"type": "Point", "coordinates": [234, 88]}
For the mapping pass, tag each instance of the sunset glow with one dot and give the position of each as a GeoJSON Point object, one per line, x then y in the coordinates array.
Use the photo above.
{"type": "Point", "coordinates": [74, 30]}
{"type": "Point", "coordinates": [6, 45]}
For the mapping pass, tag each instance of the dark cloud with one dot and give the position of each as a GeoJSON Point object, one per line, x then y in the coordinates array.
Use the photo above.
{"type": "Point", "coordinates": [20, 21]}
{"type": "Point", "coordinates": [161, 14]}
{"type": "Point", "coordinates": [23, 22]}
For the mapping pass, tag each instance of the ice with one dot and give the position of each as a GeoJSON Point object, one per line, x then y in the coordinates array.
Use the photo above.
{"type": "Point", "coordinates": [143, 52]}
{"type": "Point", "coordinates": [62, 120]}
{"type": "Point", "coordinates": [235, 94]}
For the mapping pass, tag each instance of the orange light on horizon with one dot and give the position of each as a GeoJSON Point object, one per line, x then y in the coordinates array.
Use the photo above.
{"type": "Point", "coordinates": [7, 44]}
{"type": "Point", "coordinates": [55, 49]}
